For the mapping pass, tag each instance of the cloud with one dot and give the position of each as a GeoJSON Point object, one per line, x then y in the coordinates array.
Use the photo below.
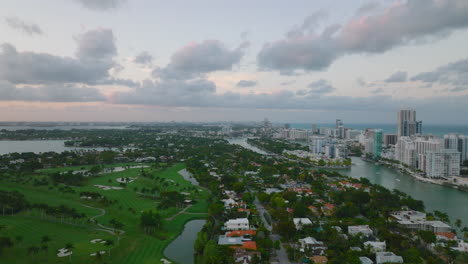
{"type": "Point", "coordinates": [246, 83]}
{"type": "Point", "coordinates": [458, 89]}
{"type": "Point", "coordinates": [25, 27]}
{"type": "Point", "coordinates": [378, 91]}
{"type": "Point", "coordinates": [101, 5]}
{"type": "Point", "coordinates": [286, 83]}
{"type": "Point", "coordinates": [399, 76]}
{"type": "Point", "coordinates": [94, 59]}
{"type": "Point", "coordinates": [401, 23]}
{"type": "Point", "coordinates": [197, 59]}
{"type": "Point", "coordinates": [144, 58]}
{"type": "Point", "coordinates": [455, 74]}
{"type": "Point", "coordinates": [319, 87]}
{"type": "Point", "coordinates": [50, 93]}
{"type": "Point", "coordinates": [201, 93]}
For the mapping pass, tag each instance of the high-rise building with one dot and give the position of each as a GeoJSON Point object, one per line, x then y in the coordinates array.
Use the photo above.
{"type": "Point", "coordinates": [373, 139]}
{"type": "Point", "coordinates": [423, 145]}
{"type": "Point", "coordinates": [378, 140]}
{"type": "Point", "coordinates": [457, 142]}
{"type": "Point", "coordinates": [443, 164]}
{"type": "Point", "coordinates": [338, 123]}
{"type": "Point", "coordinates": [314, 128]}
{"type": "Point", "coordinates": [407, 124]}
{"type": "Point", "coordinates": [405, 152]}
{"type": "Point", "coordinates": [390, 139]}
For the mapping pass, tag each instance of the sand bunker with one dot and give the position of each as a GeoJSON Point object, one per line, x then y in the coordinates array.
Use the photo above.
{"type": "Point", "coordinates": [106, 188]}
{"type": "Point", "coordinates": [63, 252]}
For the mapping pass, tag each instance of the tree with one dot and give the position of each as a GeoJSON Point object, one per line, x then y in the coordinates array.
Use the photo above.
{"type": "Point", "coordinates": [285, 229]}
{"type": "Point", "coordinates": [69, 246]}
{"type": "Point", "coordinates": [211, 253]}
{"type": "Point", "coordinates": [5, 242]}
{"type": "Point", "coordinates": [458, 223]}
{"type": "Point", "coordinates": [239, 187]}
{"type": "Point", "coordinates": [427, 236]}
{"type": "Point", "coordinates": [45, 239]}
{"type": "Point", "coordinates": [109, 244]}
{"type": "Point", "coordinates": [150, 221]}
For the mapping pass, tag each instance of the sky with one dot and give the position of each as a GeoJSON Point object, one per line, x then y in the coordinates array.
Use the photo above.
{"type": "Point", "coordinates": [210, 60]}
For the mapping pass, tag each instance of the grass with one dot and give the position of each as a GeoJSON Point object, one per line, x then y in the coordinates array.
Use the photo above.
{"type": "Point", "coordinates": [135, 246]}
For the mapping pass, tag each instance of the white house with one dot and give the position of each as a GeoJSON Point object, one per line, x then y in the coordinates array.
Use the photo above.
{"type": "Point", "coordinates": [375, 246]}
{"type": "Point", "coordinates": [237, 224]}
{"type": "Point", "coordinates": [300, 222]}
{"type": "Point", "coordinates": [310, 243]}
{"type": "Point", "coordinates": [366, 260]}
{"type": "Point", "coordinates": [363, 229]}
{"type": "Point", "coordinates": [384, 257]}
{"type": "Point", "coordinates": [409, 215]}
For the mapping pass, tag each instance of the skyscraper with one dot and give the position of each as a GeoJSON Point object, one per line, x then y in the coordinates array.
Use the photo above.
{"type": "Point", "coordinates": [457, 142]}
{"type": "Point", "coordinates": [338, 123]}
{"type": "Point", "coordinates": [407, 124]}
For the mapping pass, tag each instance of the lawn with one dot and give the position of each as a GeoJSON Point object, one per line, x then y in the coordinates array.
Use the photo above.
{"type": "Point", "coordinates": [135, 246]}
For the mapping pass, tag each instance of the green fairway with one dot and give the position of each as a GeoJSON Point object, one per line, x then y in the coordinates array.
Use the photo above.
{"type": "Point", "coordinates": [134, 246]}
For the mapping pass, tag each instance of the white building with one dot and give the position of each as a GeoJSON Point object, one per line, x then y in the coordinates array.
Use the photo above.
{"type": "Point", "coordinates": [409, 215]}
{"type": "Point", "coordinates": [443, 164]}
{"type": "Point", "coordinates": [405, 151]}
{"type": "Point", "coordinates": [237, 224]}
{"type": "Point", "coordinates": [366, 260]}
{"type": "Point", "coordinates": [376, 246]}
{"type": "Point", "coordinates": [352, 134]}
{"type": "Point", "coordinates": [363, 229]}
{"type": "Point", "coordinates": [300, 222]}
{"type": "Point", "coordinates": [387, 257]}
{"type": "Point", "coordinates": [311, 243]}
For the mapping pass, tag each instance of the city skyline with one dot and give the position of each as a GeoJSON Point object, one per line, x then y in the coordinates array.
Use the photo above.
{"type": "Point", "coordinates": [122, 60]}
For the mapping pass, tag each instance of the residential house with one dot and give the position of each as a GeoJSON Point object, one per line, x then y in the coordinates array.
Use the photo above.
{"type": "Point", "coordinates": [387, 257]}
{"type": "Point", "coordinates": [360, 229]}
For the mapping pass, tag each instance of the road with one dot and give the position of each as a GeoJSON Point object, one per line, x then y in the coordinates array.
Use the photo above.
{"type": "Point", "coordinates": [281, 253]}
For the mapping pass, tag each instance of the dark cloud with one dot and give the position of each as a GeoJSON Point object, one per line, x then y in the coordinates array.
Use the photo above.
{"type": "Point", "coordinates": [398, 24]}
{"type": "Point", "coordinates": [23, 26]}
{"type": "Point", "coordinates": [246, 83]}
{"type": "Point", "coordinates": [144, 58]}
{"type": "Point", "coordinates": [101, 5]}
{"type": "Point", "coordinates": [95, 53]}
{"type": "Point", "coordinates": [399, 76]}
{"type": "Point", "coordinates": [455, 74]}
{"type": "Point", "coordinates": [202, 94]}
{"type": "Point", "coordinates": [198, 59]}
{"type": "Point", "coordinates": [320, 87]}
{"type": "Point", "coordinates": [458, 89]}
{"type": "Point", "coordinates": [50, 93]}
{"type": "Point", "coordinates": [286, 83]}
{"type": "Point", "coordinates": [378, 91]}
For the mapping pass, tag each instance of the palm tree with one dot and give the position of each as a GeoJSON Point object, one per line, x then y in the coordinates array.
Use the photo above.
{"type": "Point", "coordinates": [45, 239]}
{"type": "Point", "coordinates": [458, 223]}
{"type": "Point", "coordinates": [44, 247]}
{"type": "Point", "coordinates": [69, 246]}
{"type": "Point", "coordinates": [19, 239]}
{"type": "Point", "coordinates": [109, 244]}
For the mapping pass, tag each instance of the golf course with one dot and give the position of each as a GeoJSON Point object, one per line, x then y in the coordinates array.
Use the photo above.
{"type": "Point", "coordinates": [106, 213]}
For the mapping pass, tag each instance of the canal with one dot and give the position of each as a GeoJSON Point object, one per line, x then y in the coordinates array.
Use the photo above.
{"type": "Point", "coordinates": [181, 249]}
{"type": "Point", "coordinates": [435, 197]}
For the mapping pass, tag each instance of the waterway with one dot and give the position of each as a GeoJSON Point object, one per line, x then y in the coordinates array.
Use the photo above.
{"type": "Point", "coordinates": [181, 249]}
{"type": "Point", "coordinates": [435, 197]}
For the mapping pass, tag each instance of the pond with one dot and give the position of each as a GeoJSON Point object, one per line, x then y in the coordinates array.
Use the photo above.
{"type": "Point", "coordinates": [181, 249]}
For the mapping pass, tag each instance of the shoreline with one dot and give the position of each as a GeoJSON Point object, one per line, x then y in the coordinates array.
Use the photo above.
{"type": "Point", "coordinates": [464, 188]}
